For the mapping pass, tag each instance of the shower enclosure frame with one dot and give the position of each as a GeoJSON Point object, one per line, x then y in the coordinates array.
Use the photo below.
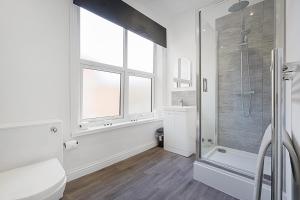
{"type": "Point", "coordinates": [279, 42]}
{"type": "Point", "coordinates": [199, 88]}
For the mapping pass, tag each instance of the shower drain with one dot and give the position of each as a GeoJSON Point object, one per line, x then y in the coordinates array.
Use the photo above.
{"type": "Point", "coordinates": [221, 150]}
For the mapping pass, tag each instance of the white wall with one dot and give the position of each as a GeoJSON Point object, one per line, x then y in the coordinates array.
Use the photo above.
{"type": "Point", "coordinates": [103, 149]}
{"type": "Point", "coordinates": [34, 60]}
{"type": "Point", "coordinates": [34, 83]}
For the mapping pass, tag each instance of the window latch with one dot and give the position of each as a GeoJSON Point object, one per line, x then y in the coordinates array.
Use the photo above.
{"type": "Point", "coordinates": [108, 124]}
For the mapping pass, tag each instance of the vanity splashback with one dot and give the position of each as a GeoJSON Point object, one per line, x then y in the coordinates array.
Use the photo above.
{"type": "Point", "coordinates": [188, 97]}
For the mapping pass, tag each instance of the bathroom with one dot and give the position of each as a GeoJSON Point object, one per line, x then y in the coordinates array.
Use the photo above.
{"type": "Point", "coordinates": [79, 112]}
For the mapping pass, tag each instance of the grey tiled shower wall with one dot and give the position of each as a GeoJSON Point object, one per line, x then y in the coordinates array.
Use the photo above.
{"type": "Point", "coordinates": [235, 130]}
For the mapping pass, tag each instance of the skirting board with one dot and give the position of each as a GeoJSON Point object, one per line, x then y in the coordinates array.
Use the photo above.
{"type": "Point", "coordinates": [178, 151]}
{"type": "Point", "coordinates": [229, 183]}
{"type": "Point", "coordinates": [96, 166]}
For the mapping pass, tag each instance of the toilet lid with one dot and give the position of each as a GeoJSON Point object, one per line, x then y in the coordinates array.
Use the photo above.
{"type": "Point", "coordinates": [35, 181]}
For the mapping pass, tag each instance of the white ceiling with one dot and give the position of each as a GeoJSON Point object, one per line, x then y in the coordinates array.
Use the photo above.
{"type": "Point", "coordinates": [172, 7]}
{"type": "Point", "coordinates": [163, 10]}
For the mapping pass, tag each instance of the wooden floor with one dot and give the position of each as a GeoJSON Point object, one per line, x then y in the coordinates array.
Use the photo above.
{"type": "Point", "coordinates": [153, 175]}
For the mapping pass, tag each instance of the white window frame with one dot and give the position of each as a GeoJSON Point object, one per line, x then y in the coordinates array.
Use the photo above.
{"type": "Point", "coordinates": [77, 66]}
{"type": "Point", "coordinates": [84, 64]}
{"type": "Point", "coordinates": [178, 80]}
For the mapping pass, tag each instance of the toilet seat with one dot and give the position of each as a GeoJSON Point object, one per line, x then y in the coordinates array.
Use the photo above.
{"type": "Point", "coordinates": [39, 181]}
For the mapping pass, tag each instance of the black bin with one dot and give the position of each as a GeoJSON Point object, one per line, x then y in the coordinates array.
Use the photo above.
{"type": "Point", "coordinates": [159, 134]}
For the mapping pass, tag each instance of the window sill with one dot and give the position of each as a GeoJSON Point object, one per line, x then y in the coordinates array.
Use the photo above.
{"type": "Point", "coordinates": [101, 129]}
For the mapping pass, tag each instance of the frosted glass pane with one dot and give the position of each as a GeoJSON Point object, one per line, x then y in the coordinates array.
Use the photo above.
{"type": "Point", "coordinates": [140, 53]}
{"type": "Point", "coordinates": [100, 94]}
{"type": "Point", "coordinates": [100, 40]}
{"type": "Point", "coordinates": [140, 98]}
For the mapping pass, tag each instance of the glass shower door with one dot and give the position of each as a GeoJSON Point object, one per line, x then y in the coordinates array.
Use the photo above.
{"type": "Point", "coordinates": [236, 43]}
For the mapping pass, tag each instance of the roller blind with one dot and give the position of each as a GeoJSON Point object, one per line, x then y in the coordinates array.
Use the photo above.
{"type": "Point", "coordinates": [126, 16]}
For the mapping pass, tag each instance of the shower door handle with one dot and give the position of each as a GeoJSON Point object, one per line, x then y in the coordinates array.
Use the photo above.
{"type": "Point", "coordinates": [205, 85]}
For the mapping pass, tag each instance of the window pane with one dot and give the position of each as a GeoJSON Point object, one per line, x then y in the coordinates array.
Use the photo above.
{"type": "Point", "coordinates": [140, 53]}
{"type": "Point", "coordinates": [100, 94]}
{"type": "Point", "coordinates": [140, 95]}
{"type": "Point", "coordinates": [100, 40]}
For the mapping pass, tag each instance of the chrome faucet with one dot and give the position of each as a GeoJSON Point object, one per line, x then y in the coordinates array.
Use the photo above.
{"type": "Point", "coordinates": [181, 102]}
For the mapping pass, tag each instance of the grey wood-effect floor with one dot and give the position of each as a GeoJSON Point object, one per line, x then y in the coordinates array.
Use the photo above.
{"type": "Point", "coordinates": [152, 175]}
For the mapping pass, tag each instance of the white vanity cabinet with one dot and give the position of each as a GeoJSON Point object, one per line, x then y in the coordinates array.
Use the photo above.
{"type": "Point", "coordinates": [180, 129]}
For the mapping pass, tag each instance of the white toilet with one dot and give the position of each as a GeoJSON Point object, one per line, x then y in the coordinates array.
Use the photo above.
{"type": "Point", "coordinates": [31, 158]}
{"type": "Point", "coordinates": [41, 181]}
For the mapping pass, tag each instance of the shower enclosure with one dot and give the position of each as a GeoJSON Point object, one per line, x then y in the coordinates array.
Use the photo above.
{"type": "Point", "coordinates": [237, 69]}
{"type": "Point", "coordinates": [235, 91]}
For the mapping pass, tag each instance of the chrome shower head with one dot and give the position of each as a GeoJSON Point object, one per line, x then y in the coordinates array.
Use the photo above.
{"type": "Point", "coordinates": [238, 6]}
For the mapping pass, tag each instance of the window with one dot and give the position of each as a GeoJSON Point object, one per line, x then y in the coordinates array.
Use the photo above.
{"type": "Point", "coordinates": [140, 53]}
{"type": "Point", "coordinates": [101, 94]}
{"type": "Point", "coordinates": [140, 100]}
{"type": "Point", "coordinates": [117, 72]}
{"type": "Point", "coordinates": [100, 40]}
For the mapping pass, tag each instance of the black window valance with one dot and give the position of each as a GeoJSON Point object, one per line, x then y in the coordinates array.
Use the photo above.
{"type": "Point", "coordinates": [126, 16]}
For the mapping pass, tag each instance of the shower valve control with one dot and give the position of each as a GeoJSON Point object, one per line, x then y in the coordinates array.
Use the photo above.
{"type": "Point", "coordinates": [53, 130]}
{"type": "Point", "coordinates": [289, 70]}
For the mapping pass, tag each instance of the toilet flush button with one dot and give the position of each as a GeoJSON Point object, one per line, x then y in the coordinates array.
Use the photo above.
{"type": "Point", "coordinates": [53, 130]}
